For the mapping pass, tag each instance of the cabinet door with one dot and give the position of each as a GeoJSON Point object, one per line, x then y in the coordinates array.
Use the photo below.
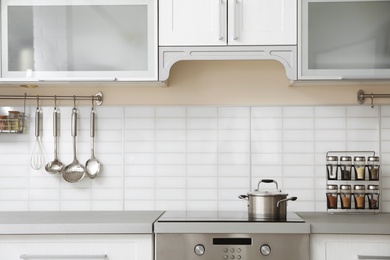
{"type": "Point", "coordinates": [192, 22]}
{"type": "Point", "coordinates": [72, 40]}
{"type": "Point", "coordinates": [349, 247]}
{"type": "Point", "coordinates": [262, 22]}
{"type": "Point", "coordinates": [94, 247]}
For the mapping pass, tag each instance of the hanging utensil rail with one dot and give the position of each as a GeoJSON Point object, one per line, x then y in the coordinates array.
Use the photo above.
{"type": "Point", "coordinates": [97, 98]}
{"type": "Point", "coordinates": [361, 96]}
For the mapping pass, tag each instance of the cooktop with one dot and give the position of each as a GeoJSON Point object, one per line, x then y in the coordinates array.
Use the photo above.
{"type": "Point", "coordinates": [220, 216]}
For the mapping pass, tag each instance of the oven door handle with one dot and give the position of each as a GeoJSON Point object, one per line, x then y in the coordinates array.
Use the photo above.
{"type": "Point", "coordinates": [372, 257]}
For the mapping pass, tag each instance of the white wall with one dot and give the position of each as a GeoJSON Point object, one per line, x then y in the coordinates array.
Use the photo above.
{"type": "Point", "coordinates": [192, 157]}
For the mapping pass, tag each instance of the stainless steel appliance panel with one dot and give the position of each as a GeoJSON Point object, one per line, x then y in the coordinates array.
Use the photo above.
{"type": "Point", "coordinates": [232, 246]}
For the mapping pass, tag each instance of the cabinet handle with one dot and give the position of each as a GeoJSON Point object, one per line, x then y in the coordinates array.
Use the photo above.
{"type": "Point", "coordinates": [221, 20]}
{"type": "Point", "coordinates": [236, 15]}
{"type": "Point", "coordinates": [25, 256]}
{"type": "Point", "coordinates": [372, 257]}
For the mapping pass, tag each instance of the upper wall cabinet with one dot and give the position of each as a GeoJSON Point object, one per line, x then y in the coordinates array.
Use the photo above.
{"type": "Point", "coordinates": [344, 39]}
{"type": "Point", "coordinates": [88, 40]}
{"type": "Point", "coordinates": [227, 22]}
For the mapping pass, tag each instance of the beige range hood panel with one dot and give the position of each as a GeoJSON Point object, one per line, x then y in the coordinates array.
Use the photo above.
{"type": "Point", "coordinates": [287, 55]}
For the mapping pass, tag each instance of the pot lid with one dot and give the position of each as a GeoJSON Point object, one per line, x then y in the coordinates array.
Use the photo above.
{"type": "Point", "coordinates": [265, 193]}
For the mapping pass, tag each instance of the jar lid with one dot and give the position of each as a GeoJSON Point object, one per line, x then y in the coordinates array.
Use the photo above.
{"type": "Point", "coordinates": [345, 158]}
{"type": "Point", "coordinates": [332, 187]}
{"type": "Point", "coordinates": [332, 158]}
{"type": "Point", "coordinates": [359, 159]}
{"type": "Point", "coordinates": [373, 187]}
{"type": "Point", "coordinates": [359, 187]}
{"type": "Point", "coordinates": [345, 187]}
{"type": "Point", "coordinates": [373, 158]}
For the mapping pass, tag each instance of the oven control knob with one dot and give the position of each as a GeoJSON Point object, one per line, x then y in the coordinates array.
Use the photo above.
{"type": "Point", "coordinates": [199, 249]}
{"type": "Point", "coordinates": [265, 249]}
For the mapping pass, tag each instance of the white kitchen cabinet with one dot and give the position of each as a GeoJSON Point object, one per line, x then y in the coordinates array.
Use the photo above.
{"type": "Point", "coordinates": [227, 22]}
{"type": "Point", "coordinates": [95, 247]}
{"type": "Point", "coordinates": [89, 40]}
{"type": "Point", "coordinates": [344, 39]}
{"type": "Point", "coordinates": [349, 247]}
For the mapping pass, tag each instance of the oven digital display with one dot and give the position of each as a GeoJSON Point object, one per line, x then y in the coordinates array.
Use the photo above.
{"type": "Point", "coordinates": [232, 241]}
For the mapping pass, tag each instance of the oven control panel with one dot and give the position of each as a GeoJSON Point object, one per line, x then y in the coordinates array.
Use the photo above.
{"type": "Point", "coordinates": [232, 246]}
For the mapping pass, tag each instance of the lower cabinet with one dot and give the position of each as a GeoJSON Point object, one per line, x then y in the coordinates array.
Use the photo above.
{"type": "Point", "coordinates": [349, 247]}
{"type": "Point", "coordinates": [77, 247]}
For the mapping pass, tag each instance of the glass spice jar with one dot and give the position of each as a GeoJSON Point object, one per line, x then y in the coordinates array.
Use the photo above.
{"type": "Point", "coordinates": [373, 196]}
{"type": "Point", "coordinates": [346, 166]}
{"type": "Point", "coordinates": [345, 196]}
{"type": "Point", "coordinates": [359, 164]}
{"type": "Point", "coordinates": [3, 123]}
{"type": "Point", "coordinates": [331, 196]}
{"type": "Point", "coordinates": [373, 168]}
{"type": "Point", "coordinates": [14, 120]}
{"type": "Point", "coordinates": [332, 167]}
{"type": "Point", "coordinates": [359, 194]}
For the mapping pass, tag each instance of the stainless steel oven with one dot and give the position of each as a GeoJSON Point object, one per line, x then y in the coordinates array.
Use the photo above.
{"type": "Point", "coordinates": [213, 238]}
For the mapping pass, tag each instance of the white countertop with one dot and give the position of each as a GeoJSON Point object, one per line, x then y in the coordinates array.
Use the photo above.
{"type": "Point", "coordinates": [78, 222]}
{"type": "Point", "coordinates": [365, 224]}
{"type": "Point", "coordinates": [145, 222]}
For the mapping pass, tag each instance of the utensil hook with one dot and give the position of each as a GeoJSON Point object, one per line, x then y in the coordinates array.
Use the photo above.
{"type": "Point", "coordinates": [74, 101]}
{"type": "Point", "coordinates": [93, 103]}
{"type": "Point", "coordinates": [55, 102]}
{"type": "Point", "coordinates": [37, 102]}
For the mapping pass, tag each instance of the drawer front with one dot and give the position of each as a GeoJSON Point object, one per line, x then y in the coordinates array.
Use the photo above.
{"type": "Point", "coordinates": [350, 247]}
{"type": "Point", "coordinates": [76, 247]}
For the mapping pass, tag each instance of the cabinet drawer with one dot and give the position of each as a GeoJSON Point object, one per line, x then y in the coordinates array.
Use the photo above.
{"type": "Point", "coordinates": [76, 247]}
{"type": "Point", "coordinates": [350, 247]}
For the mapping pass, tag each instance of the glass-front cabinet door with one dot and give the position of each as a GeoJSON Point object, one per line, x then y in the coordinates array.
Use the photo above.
{"type": "Point", "coordinates": [345, 39]}
{"type": "Point", "coordinates": [97, 40]}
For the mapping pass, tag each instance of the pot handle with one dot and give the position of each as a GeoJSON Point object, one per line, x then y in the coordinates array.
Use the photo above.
{"type": "Point", "coordinates": [267, 181]}
{"type": "Point", "coordinates": [291, 198]}
{"type": "Point", "coordinates": [243, 197]}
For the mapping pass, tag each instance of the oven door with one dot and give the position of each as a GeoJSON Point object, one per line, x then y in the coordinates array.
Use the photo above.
{"type": "Point", "coordinates": [232, 246]}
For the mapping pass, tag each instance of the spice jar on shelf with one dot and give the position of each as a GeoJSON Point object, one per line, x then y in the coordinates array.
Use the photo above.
{"type": "Point", "coordinates": [359, 194]}
{"type": "Point", "coordinates": [373, 168]}
{"type": "Point", "coordinates": [14, 120]}
{"type": "Point", "coordinates": [373, 196]}
{"type": "Point", "coordinates": [359, 164]}
{"type": "Point", "coordinates": [345, 195]}
{"type": "Point", "coordinates": [3, 123]}
{"type": "Point", "coordinates": [331, 196]}
{"type": "Point", "coordinates": [345, 166]}
{"type": "Point", "coordinates": [332, 167]}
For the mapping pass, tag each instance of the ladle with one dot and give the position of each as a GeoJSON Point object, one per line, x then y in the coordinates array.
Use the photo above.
{"type": "Point", "coordinates": [37, 159]}
{"type": "Point", "coordinates": [75, 171]}
{"type": "Point", "coordinates": [56, 165]}
{"type": "Point", "coordinates": [92, 166]}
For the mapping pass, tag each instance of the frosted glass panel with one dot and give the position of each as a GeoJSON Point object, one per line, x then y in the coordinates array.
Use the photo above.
{"type": "Point", "coordinates": [349, 35]}
{"type": "Point", "coordinates": [78, 38]}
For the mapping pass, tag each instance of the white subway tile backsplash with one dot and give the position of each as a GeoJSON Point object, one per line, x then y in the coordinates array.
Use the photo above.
{"type": "Point", "coordinates": [191, 157]}
{"type": "Point", "coordinates": [298, 123]}
{"type": "Point", "coordinates": [175, 111]}
{"type": "Point", "coordinates": [202, 111]}
{"type": "Point", "coordinates": [330, 111]}
{"type": "Point", "coordinates": [266, 112]}
{"type": "Point", "coordinates": [330, 123]}
{"type": "Point", "coordinates": [298, 111]}
{"type": "Point", "coordinates": [234, 112]}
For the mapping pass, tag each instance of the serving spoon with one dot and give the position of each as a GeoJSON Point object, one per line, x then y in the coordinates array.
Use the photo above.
{"type": "Point", "coordinates": [74, 171]}
{"type": "Point", "coordinates": [56, 165]}
{"type": "Point", "coordinates": [92, 166]}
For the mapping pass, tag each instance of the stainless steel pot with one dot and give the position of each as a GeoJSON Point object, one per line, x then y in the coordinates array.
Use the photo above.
{"type": "Point", "coordinates": [267, 205]}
